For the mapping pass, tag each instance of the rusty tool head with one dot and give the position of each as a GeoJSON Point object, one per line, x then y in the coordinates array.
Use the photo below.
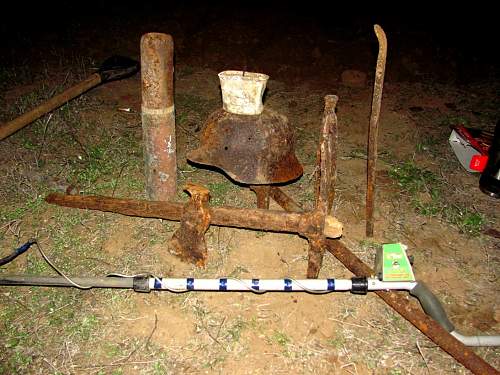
{"type": "Point", "coordinates": [118, 67]}
{"type": "Point", "coordinates": [257, 149]}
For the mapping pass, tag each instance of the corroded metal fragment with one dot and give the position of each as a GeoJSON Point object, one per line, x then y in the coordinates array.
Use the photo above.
{"type": "Point", "coordinates": [188, 242]}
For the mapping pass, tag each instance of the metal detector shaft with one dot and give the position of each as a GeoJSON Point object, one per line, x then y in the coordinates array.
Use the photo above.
{"type": "Point", "coordinates": [143, 283]}
{"type": "Point", "coordinates": [94, 282]}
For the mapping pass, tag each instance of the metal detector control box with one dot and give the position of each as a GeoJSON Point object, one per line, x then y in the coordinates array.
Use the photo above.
{"type": "Point", "coordinates": [392, 263]}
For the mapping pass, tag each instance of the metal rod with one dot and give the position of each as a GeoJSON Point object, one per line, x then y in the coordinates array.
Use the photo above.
{"type": "Point", "coordinates": [284, 200]}
{"type": "Point", "coordinates": [57, 281]}
{"type": "Point", "coordinates": [324, 186]}
{"type": "Point", "coordinates": [373, 128]}
{"type": "Point", "coordinates": [262, 194]}
{"type": "Point", "coordinates": [158, 117]}
{"type": "Point", "coordinates": [272, 220]}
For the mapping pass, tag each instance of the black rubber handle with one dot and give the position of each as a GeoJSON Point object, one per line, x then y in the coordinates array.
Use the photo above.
{"type": "Point", "coordinates": [431, 305]}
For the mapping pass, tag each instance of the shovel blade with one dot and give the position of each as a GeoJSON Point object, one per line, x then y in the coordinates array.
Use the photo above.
{"type": "Point", "coordinates": [118, 67]}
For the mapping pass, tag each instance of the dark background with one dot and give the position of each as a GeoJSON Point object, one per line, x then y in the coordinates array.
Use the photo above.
{"type": "Point", "coordinates": [290, 41]}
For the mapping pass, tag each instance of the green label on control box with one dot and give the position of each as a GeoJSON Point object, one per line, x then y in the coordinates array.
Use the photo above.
{"type": "Point", "coordinates": [396, 266]}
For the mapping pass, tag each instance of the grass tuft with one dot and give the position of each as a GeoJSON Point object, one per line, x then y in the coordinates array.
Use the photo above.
{"type": "Point", "coordinates": [428, 199]}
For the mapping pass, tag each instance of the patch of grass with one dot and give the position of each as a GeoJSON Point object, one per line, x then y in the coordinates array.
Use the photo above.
{"type": "Point", "coordinates": [307, 197]}
{"type": "Point", "coordinates": [337, 341]}
{"type": "Point", "coordinates": [15, 76]}
{"type": "Point", "coordinates": [108, 164]}
{"type": "Point", "coordinates": [468, 221]}
{"type": "Point", "coordinates": [280, 338]}
{"type": "Point", "coordinates": [369, 245]}
{"type": "Point", "coordinates": [234, 332]}
{"type": "Point", "coordinates": [454, 120]}
{"type": "Point", "coordinates": [56, 313]}
{"type": "Point", "coordinates": [31, 206]}
{"type": "Point", "coordinates": [32, 99]}
{"type": "Point", "coordinates": [96, 164]}
{"type": "Point", "coordinates": [427, 198]}
{"type": "Point", "coordinates": [427, 144]}
{"type": "Point", "coordinates": [214, 361]}
{"type": "Point", "coordinates": [85, 326]}
{"type": "Point", "coordinates": [28, 144]}
{"type": "Point", "coordinates": [159, 368]}
{"type": "Point", "coordinates": [414, 179]}
{"type": "Point", "coordinates": [219, 191]}
{"type": "Point", "coordinates": [194, 103]}
{"type": "Point", "coordinates": [238, 271]}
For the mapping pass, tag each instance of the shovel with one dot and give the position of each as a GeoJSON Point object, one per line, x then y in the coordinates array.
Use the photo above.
{"type": "Point", "coordinates": [114, 68]}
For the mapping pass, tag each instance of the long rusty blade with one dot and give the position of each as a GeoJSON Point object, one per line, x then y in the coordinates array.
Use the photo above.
{"type": "Point", "coordinates": [373, 128]}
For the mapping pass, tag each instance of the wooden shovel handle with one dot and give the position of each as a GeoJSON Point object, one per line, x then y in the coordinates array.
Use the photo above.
{"type": "Point", "coordinates": [49, 105]}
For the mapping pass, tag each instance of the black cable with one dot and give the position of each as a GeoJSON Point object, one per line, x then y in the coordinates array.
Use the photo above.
{"type": "Point", "coordinates": [17, 252]}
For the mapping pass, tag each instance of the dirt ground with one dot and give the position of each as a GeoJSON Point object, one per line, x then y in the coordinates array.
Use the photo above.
{"type": "Point", "coordinates": [94, 144]}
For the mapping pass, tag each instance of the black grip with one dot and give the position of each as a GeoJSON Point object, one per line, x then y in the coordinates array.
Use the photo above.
{"type": "Point", "coordinates": [141, 284]}
{"type": "Point", "coordinates": [431, 305]}
{"type": "Point", "coordinates": [359, 285]}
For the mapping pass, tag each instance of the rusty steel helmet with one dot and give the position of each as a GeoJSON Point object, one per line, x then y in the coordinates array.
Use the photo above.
{"type": "Point", "coordinates": [251, 149]}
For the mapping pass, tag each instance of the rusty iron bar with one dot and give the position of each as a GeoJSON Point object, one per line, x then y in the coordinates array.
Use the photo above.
{"type": "Point", "coordinates": [402, 306]}
{"type": "Point", "coordinates": [328, 156]}
{"type": "Point", "coordinates": [284, 200]}
{"type": "Point", "coordinates": [271, 220]}
{"type": "Point", "coordinates": [324, 187]}
{"type": "Point", "coordinates": [262, 194]}
{"type": "Point", "coordinates": [188, 242]}
{"type": "Point", "coordinates": [373, 128]}
{"type": "Point", "coordinates": [333, 156]}
{"type": "Point", "coordinates": [158, 115]}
